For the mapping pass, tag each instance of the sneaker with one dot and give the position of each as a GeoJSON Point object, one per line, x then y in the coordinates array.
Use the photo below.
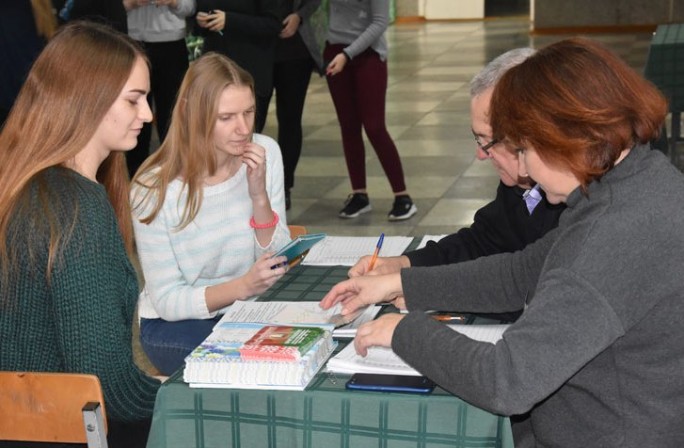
{"type": "Point", "coordinates": [403, 208]}
{"type": "Point", "coordinates": [356, 204]}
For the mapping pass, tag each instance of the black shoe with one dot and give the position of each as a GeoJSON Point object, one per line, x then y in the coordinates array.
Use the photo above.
{"type": "Point", "coordinates": [288, 200]}
{"type": "Point", "coordinates": [403, 208]}
{"type": "Point", "coordinates": [355, 204]}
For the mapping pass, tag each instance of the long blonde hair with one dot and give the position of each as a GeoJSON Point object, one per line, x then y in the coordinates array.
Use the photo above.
{"type": "Point", "coordinates": [188, 150]}
{"type": "Point", "coordinates": [71, 86]}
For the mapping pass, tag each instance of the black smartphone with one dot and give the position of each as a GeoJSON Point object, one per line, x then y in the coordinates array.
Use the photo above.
{"type": "Point", "coordinates": [390, 383]}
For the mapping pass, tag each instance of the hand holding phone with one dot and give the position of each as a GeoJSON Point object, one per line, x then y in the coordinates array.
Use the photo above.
{"type": "Point", "coordinates": [390, 383]}
{"type": "Point", "coordinates": [298, 247]}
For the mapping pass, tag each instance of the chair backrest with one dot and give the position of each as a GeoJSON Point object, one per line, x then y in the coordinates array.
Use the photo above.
{"type": "Point", "coordinates": [295, 231]}
{"type": "Point", "coordinates": [52, 407]}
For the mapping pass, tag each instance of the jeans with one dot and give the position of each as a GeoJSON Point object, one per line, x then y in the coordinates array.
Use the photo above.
{"type": "Point", "coordinates": [168, 343]}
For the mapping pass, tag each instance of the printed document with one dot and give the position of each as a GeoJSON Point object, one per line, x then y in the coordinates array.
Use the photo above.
{"type": "Point", "coordinates": [346, 250]}
{"type": "Point", "coordinates": [295, 313]}
{"type": "Point", "coordinates": [384, 361]}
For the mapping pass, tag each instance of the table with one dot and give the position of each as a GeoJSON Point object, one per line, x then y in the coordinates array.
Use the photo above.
{"type": "Point", "coordinates": [665, 68]}
{"type": "Point", "coordinates": [325, 414]}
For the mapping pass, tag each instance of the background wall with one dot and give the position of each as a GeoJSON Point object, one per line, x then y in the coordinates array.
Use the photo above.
{"type": "Point", "coordinates": [407, 8]}
{"type": "Point", "coordinates": [593, 13]}
{"type": "Point", "coordinates": [555, 13]}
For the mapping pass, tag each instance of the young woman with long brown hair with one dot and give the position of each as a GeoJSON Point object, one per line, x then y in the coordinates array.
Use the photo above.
{"type": "Point", "coordinates": [67, 288]}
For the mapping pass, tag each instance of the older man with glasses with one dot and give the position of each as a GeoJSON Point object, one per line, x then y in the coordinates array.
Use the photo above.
{"type": "Point", "coordinates": [518, 216]}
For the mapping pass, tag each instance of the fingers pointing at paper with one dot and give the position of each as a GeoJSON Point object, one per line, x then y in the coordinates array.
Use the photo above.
{"type": "Point", "coordinates": [358, 292]}
{"type": "Point", "coordinates": [375, 333]}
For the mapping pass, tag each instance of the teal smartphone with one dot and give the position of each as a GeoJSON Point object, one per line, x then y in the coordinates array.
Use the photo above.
{"type": "Point", "coordinates": [298, 247]}
{"type": "Point", "coordinates": [390, 383]}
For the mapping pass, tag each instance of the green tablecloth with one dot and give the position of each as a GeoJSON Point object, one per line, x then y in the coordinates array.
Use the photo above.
{"type": "Point", "coordinates": [325, 414]}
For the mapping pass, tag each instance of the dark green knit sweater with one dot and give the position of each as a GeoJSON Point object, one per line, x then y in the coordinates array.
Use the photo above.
{"type": "Point", "coordinates": [81, 321]}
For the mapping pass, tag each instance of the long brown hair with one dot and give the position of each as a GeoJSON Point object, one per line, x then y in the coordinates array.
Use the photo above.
{"type": "Point", "coordinates": [188, 151]}
{"type": "Point", "coordinates": [68, 91]}
{"type": "Point", "coordinates": [578, 105]}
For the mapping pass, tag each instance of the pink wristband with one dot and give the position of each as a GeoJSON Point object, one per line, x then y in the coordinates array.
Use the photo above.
{"type": "Point", "coordinates": [268, 225]}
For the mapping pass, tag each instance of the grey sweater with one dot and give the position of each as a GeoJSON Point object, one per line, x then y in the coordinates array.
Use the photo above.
{"type": "Point", "coordinates": [598, 355]}
{"type": "Point", "coordinates": [359, 24]}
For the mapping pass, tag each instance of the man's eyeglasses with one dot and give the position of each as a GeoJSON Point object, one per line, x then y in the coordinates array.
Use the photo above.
{"type": "Point", "coordinates": [485, 147]}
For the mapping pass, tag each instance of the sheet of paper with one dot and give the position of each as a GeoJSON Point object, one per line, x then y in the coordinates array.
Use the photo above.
{"type": "Point", "coordinates": [383, 360]}
{"type": "Point", "coordinates": [379, 360]}
{"type": "Point", "coordinates": [483, 333]}
{"type": "Point", "coordinates": [427, 238]}
{"type": "Point", "coordinates": [278, 313]}
{"type": "Point", "coordinates": [304, 313]}
{"type": "Point", "coordinates": [349, 330]}
{"type": "Point", "coordinates": [346, 250]}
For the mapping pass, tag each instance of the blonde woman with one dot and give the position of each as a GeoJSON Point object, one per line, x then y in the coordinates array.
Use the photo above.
{"type": "Point", "coordinates": [209, 211]}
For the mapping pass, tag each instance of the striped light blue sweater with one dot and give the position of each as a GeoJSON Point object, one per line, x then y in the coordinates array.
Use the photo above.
{"type": "Point", "coordinates": [217, 246]}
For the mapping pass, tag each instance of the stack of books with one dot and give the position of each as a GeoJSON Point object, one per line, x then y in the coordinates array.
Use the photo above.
{"type": "Point", "coordinates": [259, 356]}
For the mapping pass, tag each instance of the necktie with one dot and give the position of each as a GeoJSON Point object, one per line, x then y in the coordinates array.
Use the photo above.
{"type": "Point", "coordinates": [532, 198]}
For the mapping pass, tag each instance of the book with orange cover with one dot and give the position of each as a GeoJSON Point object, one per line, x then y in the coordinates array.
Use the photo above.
{"type": "Point", "coordinates": [281, 343]}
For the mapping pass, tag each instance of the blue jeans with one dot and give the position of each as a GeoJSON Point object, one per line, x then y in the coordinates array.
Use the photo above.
{"type": "Point", "coordinates": [168, 343]}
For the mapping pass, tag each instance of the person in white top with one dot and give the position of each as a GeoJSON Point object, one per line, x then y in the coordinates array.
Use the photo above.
{"type": "Point", "coordinates": [208, 212]}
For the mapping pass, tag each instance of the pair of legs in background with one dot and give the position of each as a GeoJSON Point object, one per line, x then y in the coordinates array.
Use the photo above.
{"type": "Point", "coordinates": [290, 82]}
{"type": "Point", "coordinates": [169, 62]}
{"type": "Point", "coordinates": [359, 92]}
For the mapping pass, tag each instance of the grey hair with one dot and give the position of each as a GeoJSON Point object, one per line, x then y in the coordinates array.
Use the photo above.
{"type": "Point", "coordinates": [490, 75]}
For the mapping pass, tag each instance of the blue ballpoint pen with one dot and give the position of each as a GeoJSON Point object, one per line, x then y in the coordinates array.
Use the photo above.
{"type": "Point", "coordinates": [378, 246]}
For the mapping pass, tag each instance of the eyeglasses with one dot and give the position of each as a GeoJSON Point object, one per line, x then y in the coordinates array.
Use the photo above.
{"type": "Point", "coordinates": [485, 147]}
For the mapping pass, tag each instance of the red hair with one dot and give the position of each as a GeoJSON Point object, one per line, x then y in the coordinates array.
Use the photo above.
{"type": "Point", "coordinates": [578, 105]}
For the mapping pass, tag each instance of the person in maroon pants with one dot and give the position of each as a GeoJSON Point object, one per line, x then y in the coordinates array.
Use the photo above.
{"type": "Point", "coordinates": [357, 78]}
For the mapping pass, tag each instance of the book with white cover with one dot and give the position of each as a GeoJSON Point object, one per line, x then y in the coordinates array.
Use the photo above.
{"type": "Point", "coordinates": [384, 361]}
{"type": "Point", "coordinates": [217, 362]}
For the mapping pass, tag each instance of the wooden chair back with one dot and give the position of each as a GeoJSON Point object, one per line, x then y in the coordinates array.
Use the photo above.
{"type": "Point", "coordinates": [296, 231]}
{"type": "Point", "coordinates": [52, 407]}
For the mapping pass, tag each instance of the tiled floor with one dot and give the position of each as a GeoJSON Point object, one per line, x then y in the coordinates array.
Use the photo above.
{"type": "Point", "coordinates": [430, 66]}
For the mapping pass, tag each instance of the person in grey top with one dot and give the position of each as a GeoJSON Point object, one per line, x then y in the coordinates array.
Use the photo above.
{"type": "Point", "coordinates": [356, 57]}
{"type": "Point", "coordinates": [598, 354]}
